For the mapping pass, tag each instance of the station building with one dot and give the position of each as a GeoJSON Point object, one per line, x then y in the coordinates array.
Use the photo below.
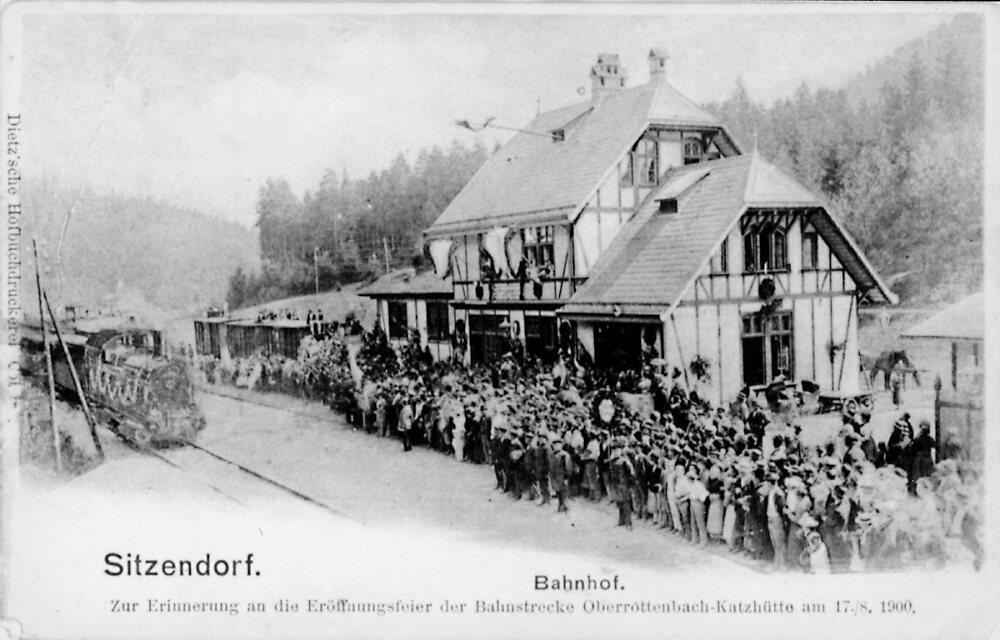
{"type": "Point", "coordinates": [633, 223]}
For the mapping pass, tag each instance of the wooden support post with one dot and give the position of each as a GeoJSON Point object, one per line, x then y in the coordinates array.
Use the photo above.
{"type": "Point", "coordinates": [680, 351]}
{"type": "Point", "coordinates": [847, 334]}
{"type": "Point", "coordinates": [937, 417]}
{"type": "Point", "coordinates": [572, 254]}
{"type": "Point", "coordinates": [718, 344]}
{"type": "Point", "coordinates": [76, 381]}
{"type": "Point", "coordinates": [48, 361]}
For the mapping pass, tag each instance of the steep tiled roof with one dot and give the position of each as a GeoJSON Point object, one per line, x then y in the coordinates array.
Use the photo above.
{"type": "Point", "coordinates": [768, 185]}
{"type": "Point", "coordinates": [649, 266]}
{"type": "Point", "coordinates": [533, 174]}
{"type": "Point", "coordinates": [408, 283]}
{"type": "Point", "coordinates": [654, 257]}
{"type": "Point", "coordinates": [669, 106]}
{"type": "Point", "coordinates": [964, 320]}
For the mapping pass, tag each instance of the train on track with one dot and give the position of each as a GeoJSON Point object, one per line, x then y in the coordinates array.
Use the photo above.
{"type": "Point", "coordinates": [125, 375]}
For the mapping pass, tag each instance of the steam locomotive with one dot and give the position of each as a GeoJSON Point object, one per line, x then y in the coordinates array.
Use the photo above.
{"type": "Point", "coordinates": [126, 377]}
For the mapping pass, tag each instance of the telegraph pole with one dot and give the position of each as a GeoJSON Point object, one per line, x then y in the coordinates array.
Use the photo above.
{"type": "Point", "coordinates": [76, 381]}
{"type": "Point", "coordinates": [48, 359]}
{"type": "Point", "coordinates": [316, 265]}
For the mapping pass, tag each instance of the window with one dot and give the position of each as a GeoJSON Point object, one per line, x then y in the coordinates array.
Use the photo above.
{"type": "Point", "coordinates": [437, 320]}
{"type": "Point", "coordinates": [692, 151]}
{"type": "Point", "coordinates": [764, 250]}
{"type": "Point", "coordinates": [720, 261]}
{"type": "Point", "coordinates": [767, 347]}
{"type": "Point", "coordinates": [644, 171]}
{"type": "Point", "coordinates": [810, 250]}
{"type": "Point", "coordinates": [397, 318]}
{"type": "Point", "coordinates": [778, 253]}
{"type": "Point", "coordinates": [539, 246]}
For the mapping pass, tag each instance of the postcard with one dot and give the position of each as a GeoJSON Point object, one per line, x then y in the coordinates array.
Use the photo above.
{"type": "Point", "coordinates": [499, 320]}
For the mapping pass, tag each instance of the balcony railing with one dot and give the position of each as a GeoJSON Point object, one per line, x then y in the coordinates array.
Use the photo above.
{"type": "Point", "coordinates": [512, 289]}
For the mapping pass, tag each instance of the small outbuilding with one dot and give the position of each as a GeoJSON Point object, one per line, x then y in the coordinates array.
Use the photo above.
{"type": "Point", "coordinates": [406, 300]}
{"type": "Point", "coordinates": [950, 344]}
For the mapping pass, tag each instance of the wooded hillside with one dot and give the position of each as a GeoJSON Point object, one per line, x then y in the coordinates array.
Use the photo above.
{"type": "Point", "coordinates": [347, 229]}
{"type": "Point", "coordinates": [177, 259]}
{"type": "Point", "coordinates": [898, 153]}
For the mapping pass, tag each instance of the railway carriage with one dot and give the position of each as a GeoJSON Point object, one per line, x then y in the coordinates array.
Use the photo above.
{"type": "Point", "coordinates": [226, 338]}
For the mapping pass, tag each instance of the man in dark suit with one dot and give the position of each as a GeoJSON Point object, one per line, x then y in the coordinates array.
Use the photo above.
{"type": "Point", "coordinates": [623, 478]}
{"type": "Point", "coordinates": [560, 469]}
{"type": "Point", "coordinates": [540, 467]}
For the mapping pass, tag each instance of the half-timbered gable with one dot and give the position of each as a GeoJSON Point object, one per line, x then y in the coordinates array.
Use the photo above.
{"type": "Point", "coordinates": [734, 264]}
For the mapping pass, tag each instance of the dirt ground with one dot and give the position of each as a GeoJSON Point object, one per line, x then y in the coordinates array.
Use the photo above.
{"type": "Point", "coordinates": [372, 481]}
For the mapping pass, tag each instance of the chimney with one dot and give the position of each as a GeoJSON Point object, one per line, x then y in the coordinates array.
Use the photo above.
{"type": "Point", "coordinates": [607, 75]}
{"type": "Point", "coordinates": [658, 64]}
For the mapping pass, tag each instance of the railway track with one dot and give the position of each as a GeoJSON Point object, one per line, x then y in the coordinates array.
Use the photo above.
{"type": "Point", "coordinates": [199, 467]}
{"type": "Point", "coordinates": [255, 399]}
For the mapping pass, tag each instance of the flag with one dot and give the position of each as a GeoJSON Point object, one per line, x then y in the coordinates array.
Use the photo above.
{"type": "Point", "coordinates": [494, 244]}
{"type": "Point", "coordinates": [440, 251]}
{"type": "Point", "coordinates": [515, 252]}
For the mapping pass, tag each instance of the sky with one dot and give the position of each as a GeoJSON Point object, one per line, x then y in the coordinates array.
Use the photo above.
{"type": "Point", "coordinates": [201, 109]}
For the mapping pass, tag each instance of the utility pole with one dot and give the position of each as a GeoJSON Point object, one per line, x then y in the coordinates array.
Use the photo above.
{"type": "Point", "coordinates": [76, 381]}
{"type": "Point", "coordinates": [316, 265]}
{"type": "Point", "coordinates": [385, 250]}
{"type": "Point", "coordinates": [48, 359]}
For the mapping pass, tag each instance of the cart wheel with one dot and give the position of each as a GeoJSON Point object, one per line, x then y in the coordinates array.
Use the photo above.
{"type": "Point", "coordinates": [867, 403]}
{"type": "Point", "coordinates": [143, 436]}
{"type": "Point", "coordinates": [850, 407]}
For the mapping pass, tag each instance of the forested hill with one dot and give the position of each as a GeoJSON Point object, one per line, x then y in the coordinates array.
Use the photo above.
{"type": "Point", "coordinates": [177, 259]}
{"type": "Point", "coordinates": [897, 152]}
{"type": "Point", "coordinates": [347, 230]}
{"type": "Point", "coordinates": [956, 45]}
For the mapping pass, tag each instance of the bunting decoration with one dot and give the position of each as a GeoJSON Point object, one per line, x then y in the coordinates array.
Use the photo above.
{"type": "Point", "coordinates": [494, 244]}
{"type": "Point", "coordinates": [515, 252]}
{"type": "Point", "coordinates": [440, 251]}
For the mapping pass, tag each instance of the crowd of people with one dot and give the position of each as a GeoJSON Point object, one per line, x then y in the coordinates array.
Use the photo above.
{"type": "Point", "coordinates": [317, 367]}
{"type": "Point", "coordinates": [737, 477]}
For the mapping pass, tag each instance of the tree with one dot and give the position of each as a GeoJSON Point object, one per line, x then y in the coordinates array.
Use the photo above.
{"type": "Point", "coordinates": [898, 154]}
{"type": "Point", "coordinates": [278, 212]}
{"type": "Point", "coordinates": [238, 289]}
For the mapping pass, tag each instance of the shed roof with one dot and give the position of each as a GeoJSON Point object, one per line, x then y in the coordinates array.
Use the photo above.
{"type": "Point", "coordinates": [656, 257]}
{"type": "Point", "coordinates": [534, 175]}
{"type": "Point", "coordinates": [964, 320]}
{"type": "Point", "coordinates": [404, 283]}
